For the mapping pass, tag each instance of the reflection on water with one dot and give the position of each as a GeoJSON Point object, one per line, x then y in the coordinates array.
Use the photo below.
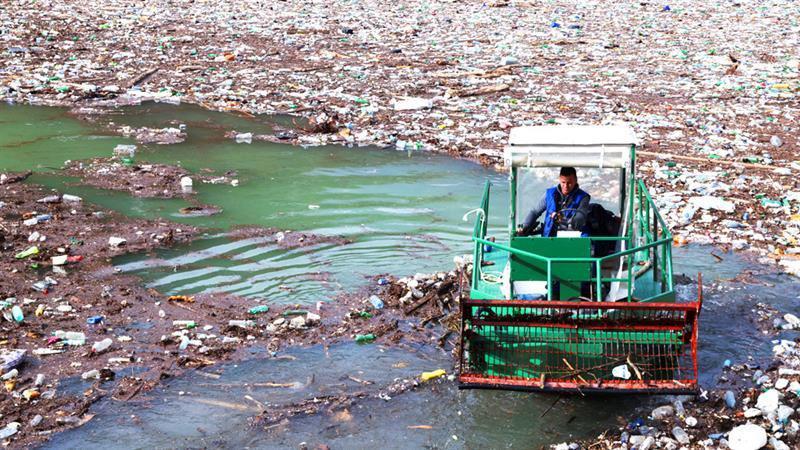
{"type": "Point", "coordinates": [216, 407]}
{"type": "Point", "coordinates": [403, 215]}
{"type": "Point", "coordinates": [211, 408]}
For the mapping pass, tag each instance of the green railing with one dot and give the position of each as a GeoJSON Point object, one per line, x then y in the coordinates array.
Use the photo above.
{"type": "Point", "coordinates": [647, 235]}
{"type": "Point", "coordinates": [653, 228]}
{"type": "Point", "coordinates": [479, 232]}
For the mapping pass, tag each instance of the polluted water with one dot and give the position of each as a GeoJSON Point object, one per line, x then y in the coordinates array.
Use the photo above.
{"type": "Point", "coordinates": [395, 212]}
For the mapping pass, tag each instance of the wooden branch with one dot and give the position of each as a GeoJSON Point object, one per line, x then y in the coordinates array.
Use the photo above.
{"type": "Point", "coordinates": [494, 73]}
{"type": "Point", "coordinates": [425, 299]}
{"type": "Point", "coordinates": [190, 68]}
{"type": "Point", "coordinates": [635, 369]}
{"type": "Point", "coordinates": [569, 366]}
{"type": "Point", "coordinates": [482, 90]}
{"type": "Point", "coordinates": [313, 69]}
{"type": "Point", "coordinates": [141, 78]}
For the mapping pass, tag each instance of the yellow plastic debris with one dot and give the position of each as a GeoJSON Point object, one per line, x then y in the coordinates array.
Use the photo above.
{"type": "Point", "coordinates": [679, 240]}
{"type": "Point", "coordinates": [31, 394]}
{"type": "Point", "coordinates": [427, 376]}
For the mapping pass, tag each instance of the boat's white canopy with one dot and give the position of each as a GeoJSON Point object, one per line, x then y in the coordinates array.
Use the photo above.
{"type": "Point", "coordinates": [570, 145]}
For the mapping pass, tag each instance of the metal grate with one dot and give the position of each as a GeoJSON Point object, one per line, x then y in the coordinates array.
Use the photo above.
{"type": "Point", "coordinates": [579, 346]}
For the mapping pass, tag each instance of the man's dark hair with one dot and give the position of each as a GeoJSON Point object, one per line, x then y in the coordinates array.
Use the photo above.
{"type": "Point", "coordinates": [568, 172]}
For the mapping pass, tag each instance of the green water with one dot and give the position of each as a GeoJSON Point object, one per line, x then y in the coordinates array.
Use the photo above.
{"type": "Point", "coordinates": [403, 214]}
{"type": "Point", "coordinates": [178, 413]}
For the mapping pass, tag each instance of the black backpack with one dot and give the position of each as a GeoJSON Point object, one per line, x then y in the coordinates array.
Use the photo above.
{"type": "Point", "coordinates": [602, 222]}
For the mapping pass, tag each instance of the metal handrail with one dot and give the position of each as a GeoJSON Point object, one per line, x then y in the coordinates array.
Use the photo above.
{"type": "Point", "coordinates": [646, 206]}
{"type": "Point", "coordinates": [661, 221]}
{"type": "Point", "coordinates": [541, 258]}
{"type": "Point", "coordinates": [481, 225]}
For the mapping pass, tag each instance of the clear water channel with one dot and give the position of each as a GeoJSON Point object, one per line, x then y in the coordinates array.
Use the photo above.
{"type": "Point", "coordinates": [403, 213]}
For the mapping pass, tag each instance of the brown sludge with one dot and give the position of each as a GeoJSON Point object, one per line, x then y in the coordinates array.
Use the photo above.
{"type": "Point", "coordinates": [139, 321]}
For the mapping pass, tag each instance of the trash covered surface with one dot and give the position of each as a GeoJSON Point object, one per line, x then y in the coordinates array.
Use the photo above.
{"type": "Point", "coordinates": [424, 303]}
{"type": "Point", "coordinates": [750, 390]}
{"type": "Point", "coordinates": [355, 395]}
{"type": "Point", "coordinates": [220, 402]}
{"type": "Point", "coordinates": [711, 89]}
{"type": "Point", "coordinates": [396, 210]}
{"type": "Point", "coordinates": [185, 328]}
{"type": "Point", "coordinates": [89, 332]}
{"type": "Point", "coordinates": [225, 404]}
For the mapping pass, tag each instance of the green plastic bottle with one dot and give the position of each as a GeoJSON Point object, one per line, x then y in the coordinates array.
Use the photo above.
{"type": "Point", "coordinates": [29, 252]}
{"type": "Point", "coordinates": [258, 309]}
{"type": "Point", "coordinates": [365, 338]}
{"type": "Point", "coordinates": [16, 313]}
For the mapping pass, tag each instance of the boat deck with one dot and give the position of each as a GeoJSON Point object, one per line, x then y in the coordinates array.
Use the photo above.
{"type": "Point", "coordinates": [488, 287]}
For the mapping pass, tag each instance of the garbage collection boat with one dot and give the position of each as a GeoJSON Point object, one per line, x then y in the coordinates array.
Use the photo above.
{"type": "Point", "coordinates": [589, 306]}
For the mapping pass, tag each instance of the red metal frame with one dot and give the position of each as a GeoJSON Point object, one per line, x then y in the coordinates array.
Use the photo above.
{"type": "Point", "coordinates": [678, 317]}
{"type": "Point", "coordinates": [672, 386]}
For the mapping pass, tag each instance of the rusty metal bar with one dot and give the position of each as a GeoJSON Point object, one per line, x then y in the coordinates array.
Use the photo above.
{"type": "Point", "coordinates": [664, 387]}
{"type": "Point", "coordinates": [555, 304]}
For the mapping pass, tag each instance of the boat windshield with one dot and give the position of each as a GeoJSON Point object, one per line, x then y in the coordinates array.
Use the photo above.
{"type": "Point", "coordinates": [602, 184]}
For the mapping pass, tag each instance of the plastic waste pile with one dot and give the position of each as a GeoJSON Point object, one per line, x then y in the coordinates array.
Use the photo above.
{"type": "Point", "coordinates": [711, 89]}
{"type": "Point", "coordinates": [758, 411]}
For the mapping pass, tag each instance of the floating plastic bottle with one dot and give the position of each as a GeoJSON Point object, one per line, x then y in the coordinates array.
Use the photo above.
{"type": "Point", "coordinates": [93, 374]}
{"type": "Point", "coordinates": [59, 260]}
{"type": "Point", "coordinates": [730, 399]}
{"type": "Point", "coordinates": [102, 346]}
{"type": "Point", "coordinates": [9, 430]}
{"type": "Point", "coordinates": [186, 185]}
{"type": "Point", "coordinates": [365, 338]}
{"type": "Point", "coordinates": [681, 435]}
{"type": "Point", "coordinates": [16, 313]}
{"type": "Point", "coordinates": [31, 394]}
{"type": "Point", "coordinates": [258, 309]}
{"type": "Point", "coordinates": [123, 150]}
{"type": "Point", "coordinates": [28, 252]}
{"type": "Point", "coordinates": [680, 410]}
{"type": "Point", "coordinates": [184, 343]}
{"type": "Point", "coordinates": [94, 320]}
{"type": "Point", "coordinates": [377, 303]}
{"type": "Point", "coordinates": [41, 286]}
{"type": "Point", "coordinates": [75, 338]}
{"type": "Point", "coordinates": [427, 376]}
